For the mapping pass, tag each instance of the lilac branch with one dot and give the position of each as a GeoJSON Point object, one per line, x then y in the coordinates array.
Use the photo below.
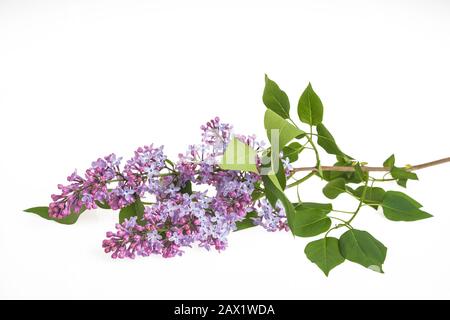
{"type": "Point", "coordinates": [379, 169]}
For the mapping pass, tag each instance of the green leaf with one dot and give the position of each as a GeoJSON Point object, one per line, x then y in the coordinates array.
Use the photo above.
{"type": "Point", "coordinates": [397, 206]}
{"type": "Point", "coordinates": [102, 205]}
{"type": "Point", "coordinates": [276, 99]}
{"type": "Point", "coordinates": [281, 175]}
{"type": "Point", "coordinates": [348, 176]}
{"type": "Point", "coordinates": [360, 174]}
{"type": "Point", "coordinates": [275, 181]}
{"type": "Point", "coordinates": [402, 175]}
{"type": "Point", "coordinates": [319, 171]}
{"type": "Point", "coordinates": [239, 156]}
{"type": "Point", "coordinates": [43, 212]}
{"type": "Point", "coordinates": [310, 222]}
{"type": "Point", "coordinates": [310, 108]}
{"type": "Point", "coordinates": [271, 195]}
{"type": "Point", "coordinates": [274, 192]}
{"type": "Point", "coordinates": [247, 222]}
{"type": "Point", "coordinates": [334, 188]}
{"type": "Point", "coordinates": [274, 173]}
{"type": "Point", "coordinates": [187, 188]}
{"type": "Point", "coordinates": [326, 140]}
{"type": "Point", "coordinates": [292, 150]}
{"type": "Point", "coordinates": [136, 209]}
{"type": "Point", "coordinates": [325, 253]}
{"type": "Point", "coordinates": [170, 163]}
{"type": "Point", "coordinates": [327, 207]}
{"type": "Point", "coordinates": [286, 131]}
{"type": "Point", "coordinates": [389, 162]}
{"type": "Point", "coordinates": [374, 195]}
{"type": "Point", "coordinates": [362, 248]}
{"type": "Point", "coordinates": [257, 195]}
{"type": "Point", "coordinates": [331, 175]}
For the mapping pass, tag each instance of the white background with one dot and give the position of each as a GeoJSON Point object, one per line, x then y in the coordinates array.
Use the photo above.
{"type": "Point", "coordinates": [81, 79]}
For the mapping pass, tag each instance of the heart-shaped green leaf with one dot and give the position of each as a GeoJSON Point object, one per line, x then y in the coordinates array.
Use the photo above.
{"type": "Point", "coordinates": [276, 99]}
{"type": "Point", "coordinates": [279, 130]}
{"type": "Point", "coordinates": [325, 253]}
{"type": "Point", "coordinates": [327, 142]}
{"type": "Point", "coordinates": [309, 222]}
{"type": "Point", "coordinates": [362, 248]}
{"type": "Point", "coordinates": [397, 206]}
{"type": "Point", "coordinates": [334, 188]}
{"type": "Point", "coordinates": [310, 108]}
{"type": "Point", "coordinates": [374, 195]}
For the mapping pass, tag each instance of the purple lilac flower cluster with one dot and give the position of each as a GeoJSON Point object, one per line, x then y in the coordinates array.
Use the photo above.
{"type": "Point", "coordinates": [85, 191]}
{"type": "Point", "coordinates": [178, 218]}
{"type": "Point", "coordinates": [168, 226]}
{"type": "Point", "coordinates": [136, 178]}
{"type": "Point", "coordinates": [270, 219]}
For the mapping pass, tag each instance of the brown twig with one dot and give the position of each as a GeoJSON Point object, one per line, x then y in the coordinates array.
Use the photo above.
{"type": "Point", "coordinates": [380, 169]}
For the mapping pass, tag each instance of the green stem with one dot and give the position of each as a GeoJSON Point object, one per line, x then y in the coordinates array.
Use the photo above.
{"type": "Point", "coordinates": [296, 183]}
{"type": "Point", "coordinates": [363, 195]}
{"type": "Point", "coordinates": [298, 195]}
{"type": "Point", "coordinates": [167, 174]}
{"type": "Point", "coordinates": [381, 180]}
{"type": "Point", "coordinates": [311, 142]}
{"type": "Point", "coordinates": [313, 145]}
{"type": "Point", "coordinates": [173, 173]}
{"type": "Point", "coordinates": [337, 227]}
{"type": "Point", "coordinates": [342, 211]}
{"type": "Point", "coordinates": [342, 220]}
